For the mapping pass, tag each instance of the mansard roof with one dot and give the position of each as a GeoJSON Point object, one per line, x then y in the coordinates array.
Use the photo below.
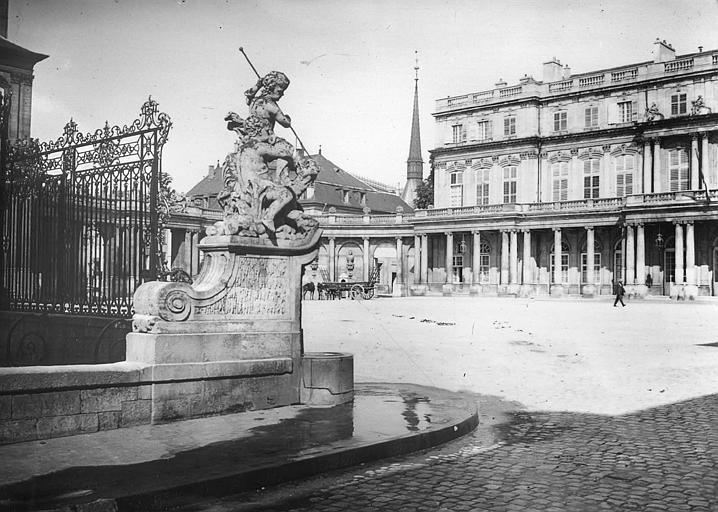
{"type": "Point", "coordinates": [329, 188]}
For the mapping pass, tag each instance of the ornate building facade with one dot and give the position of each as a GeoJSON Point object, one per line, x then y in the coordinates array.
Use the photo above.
{"type": "Point", "coordinates": [575, 182]}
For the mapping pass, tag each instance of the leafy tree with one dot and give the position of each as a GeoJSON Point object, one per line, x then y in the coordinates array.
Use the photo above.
{"type": "Point", "coordinates": [425, 191]}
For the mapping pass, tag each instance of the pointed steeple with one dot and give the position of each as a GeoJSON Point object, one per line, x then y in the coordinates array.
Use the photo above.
{"type": "Point", "coordinates": [414, 164]}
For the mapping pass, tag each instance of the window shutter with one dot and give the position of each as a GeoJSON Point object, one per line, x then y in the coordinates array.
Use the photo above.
{"type": "Point", "coordinates": [463, 133]}
{"type": "Point", "coordinates": [629, 183]}
{"type": "Point", "coordinates": [634, 110]}
{"type": "Point", "coordinates": [489, 130]}
{"type": "Point", "coordinates": [613, 113]}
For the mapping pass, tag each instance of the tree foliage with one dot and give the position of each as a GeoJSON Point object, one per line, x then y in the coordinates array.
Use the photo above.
{"type": "Point", "coordinates": [425, 192]}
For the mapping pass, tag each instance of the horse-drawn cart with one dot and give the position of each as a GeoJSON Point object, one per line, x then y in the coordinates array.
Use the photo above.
{"type": "Point", "coordinates": [354, 290]}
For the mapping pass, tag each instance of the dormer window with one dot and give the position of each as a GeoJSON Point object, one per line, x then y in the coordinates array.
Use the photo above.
{"type": "Point", "coordinates": [363, 199]}
{"type": "Point", "coordinates": [345, 194]}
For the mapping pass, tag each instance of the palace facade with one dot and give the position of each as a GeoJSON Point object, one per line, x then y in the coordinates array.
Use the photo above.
{"type": "Point", "coordinates": [563, 185]}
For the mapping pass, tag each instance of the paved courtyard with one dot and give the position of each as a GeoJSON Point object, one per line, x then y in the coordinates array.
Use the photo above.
{"type": "Point", "coordinates": [584, 407]}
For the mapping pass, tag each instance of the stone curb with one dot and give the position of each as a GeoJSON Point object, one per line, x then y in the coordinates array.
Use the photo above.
{"type": "Point", "coordinates": [300, 468]}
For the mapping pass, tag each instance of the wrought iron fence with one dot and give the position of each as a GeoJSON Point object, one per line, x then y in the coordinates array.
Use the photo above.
{"type": "Point", "coordinates": [80, 217]}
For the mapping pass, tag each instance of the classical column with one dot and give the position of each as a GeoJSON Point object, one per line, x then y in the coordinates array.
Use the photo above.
{"type": "Point", "coordinates": [188, 251]}
{"type": "Point", "coordinates": [365, 258]}
{"type": "Point", "coordinates": [705, 169]}
{"type": "Point", "coordinates": [417, 259]}
{"type": "Point", "coordinates": [557, 274]}
{"type": "Point", "coordinates": [590, 247]}
{"type": "Point", "coordinates": [168, 248]}
{"type": "Point", "coordinates": [399, 262]}
{"type": "Point", "coordinates": [476, 258]}
{"type": "Point", "coordinates": [195, 253]}
{"type": "Point", "coordinates": [331, 259]}
{"type": "Point", "coordinates": [691, 270]}
{"type": "Point", "coordinates": [694, 162]}
{"type": "Point", "coordinates": [657, 166]}
{"type": "Point", "coordinates": [678, 278]}
{"type": "Point", "coordinates": [424, 259]}
{"type": "Point", "coordinates": [647, 164]}
{"type": "Point", "coordinates": [449, 257]}
{"type": "Point", "coordinates": [528, 274]}
{"type": "Point", "coordinates": [690, 254]}
{"type": "Point", "coordinates": [514, 258]}
{"type": "Point", "coordinates": [504, 258]}
{"type": "Point", "coordinates": [630, 255]}
{"type": "Point", "coordinates": [640, 255]}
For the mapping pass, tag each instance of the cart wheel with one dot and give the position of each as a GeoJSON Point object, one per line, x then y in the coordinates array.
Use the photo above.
{"type": "Point", "coordinates": [368, 294]}
{"type": "Point", "coordinates": [356, 292]}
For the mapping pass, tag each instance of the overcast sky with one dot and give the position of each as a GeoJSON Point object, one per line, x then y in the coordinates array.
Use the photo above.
{"type": "Point", "coordinates": [351, 64]}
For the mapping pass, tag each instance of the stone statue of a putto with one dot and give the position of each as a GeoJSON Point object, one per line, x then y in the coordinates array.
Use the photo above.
{"type": "Point", "coordinates": [262, 178]}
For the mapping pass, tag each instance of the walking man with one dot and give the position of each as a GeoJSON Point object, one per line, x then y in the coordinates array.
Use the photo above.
{"type": "Point", "coordinates": [620, 292]}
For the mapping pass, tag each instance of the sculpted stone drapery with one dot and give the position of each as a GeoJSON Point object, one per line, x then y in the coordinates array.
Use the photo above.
{"type": "Point", "coordinates": [262, 178]}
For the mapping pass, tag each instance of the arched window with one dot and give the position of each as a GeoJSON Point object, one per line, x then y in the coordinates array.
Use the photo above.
{"type": "Point", "coordinates": [565, 249]}
{"type": "Point", "coordinates": [596, 263]}
{"type": "Point", "coordinates": [484, 253]}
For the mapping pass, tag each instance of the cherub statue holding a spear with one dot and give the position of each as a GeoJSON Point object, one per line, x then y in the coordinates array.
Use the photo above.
{"type": "Point", "coordinates": [262, 178]}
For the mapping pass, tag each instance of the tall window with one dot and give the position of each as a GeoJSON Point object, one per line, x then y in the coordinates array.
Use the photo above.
{"type": "Point", "coordinates": [591, 178]}
{"type": "Point", "coordinates": [483, 176]}
{"type": "Point", "coordinates": [510, 125]}
{"type": "Point", "coordinates": [560, 121]}
{"type": "Point", "coordinates": [625, 112]}
{"type": "Point", "coordinates": [625, 167]}
{"type": "Point", "coordinates": [618, 263]}
{"type": "Point", "coordinates": [596, 264]}
{"type": "Point", "coordinates": [678, 104]}
{"type": "Point", "coordinates": [591, 117]}
{"type": "Point", "coordinates": [564, 263]}
{"type": "Point", "coordinates": [510, 180]}
{"type": "Point", "coordinates": [484, 252]}
{"type": "Point", "coordinates": [559, 174]}
{"type": "Point", "coordinates": [458, 134]}
{"type": "Point", "coordinates": [456, 193]}
{"type": "Point", "coordinates": [458, 267]}
{"type": "Point", "coordinates": [678, 170]}
{"type": "Point", "coordinates": [484, 130]}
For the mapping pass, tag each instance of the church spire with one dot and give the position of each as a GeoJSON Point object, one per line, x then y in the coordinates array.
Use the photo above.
{"type": "Point", "coordinates": [414, 164]}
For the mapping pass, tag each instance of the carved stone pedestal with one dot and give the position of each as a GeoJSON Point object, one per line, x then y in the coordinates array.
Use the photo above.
{"type": "Point", "coordinates": [232, 341]}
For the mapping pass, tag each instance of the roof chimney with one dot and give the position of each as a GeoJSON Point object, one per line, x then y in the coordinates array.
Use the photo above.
{"type": "Point", "coordinates": [552, 70]}
{"type": "Point", "coordinates": [663, 52]}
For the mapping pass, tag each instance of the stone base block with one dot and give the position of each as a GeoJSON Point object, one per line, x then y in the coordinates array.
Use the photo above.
{"type": "Point", "coordinates": [513, 289]}
{"type": "Point", "coordinates": [192, 399]}
{"type": "Point", "coordinates": [327, 378]}
{"type": "Point", "coordinates": [475, 289]}
{"type": "Point", "coordinates": [447, 290]}
{"type": "Point", "coordinates": [588, 290]}
{"type": "Point", "coordinates": [640, 291]}
{"type": "Point", "coordinates": [527, 290]}
{"type": "Point", "coordinates": [691, 291]}
{"type": "Point", "coordinates": [418, 289]}
{"type": "Point", "coordinates": [677, 291]}
{"type": "Point", "coordinates": [557, 290]}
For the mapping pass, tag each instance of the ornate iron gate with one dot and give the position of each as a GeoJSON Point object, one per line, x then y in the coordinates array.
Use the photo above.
{"type": "Point", "coordinates": [80, 218]}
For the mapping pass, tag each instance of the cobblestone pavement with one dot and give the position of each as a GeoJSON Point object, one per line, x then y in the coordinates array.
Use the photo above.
{"type": "Point", "coordinates": [659, 459]}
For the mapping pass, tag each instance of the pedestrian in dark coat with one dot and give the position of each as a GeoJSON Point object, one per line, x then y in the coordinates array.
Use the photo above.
{"type": "Point", "coordinates": [620, 292]}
